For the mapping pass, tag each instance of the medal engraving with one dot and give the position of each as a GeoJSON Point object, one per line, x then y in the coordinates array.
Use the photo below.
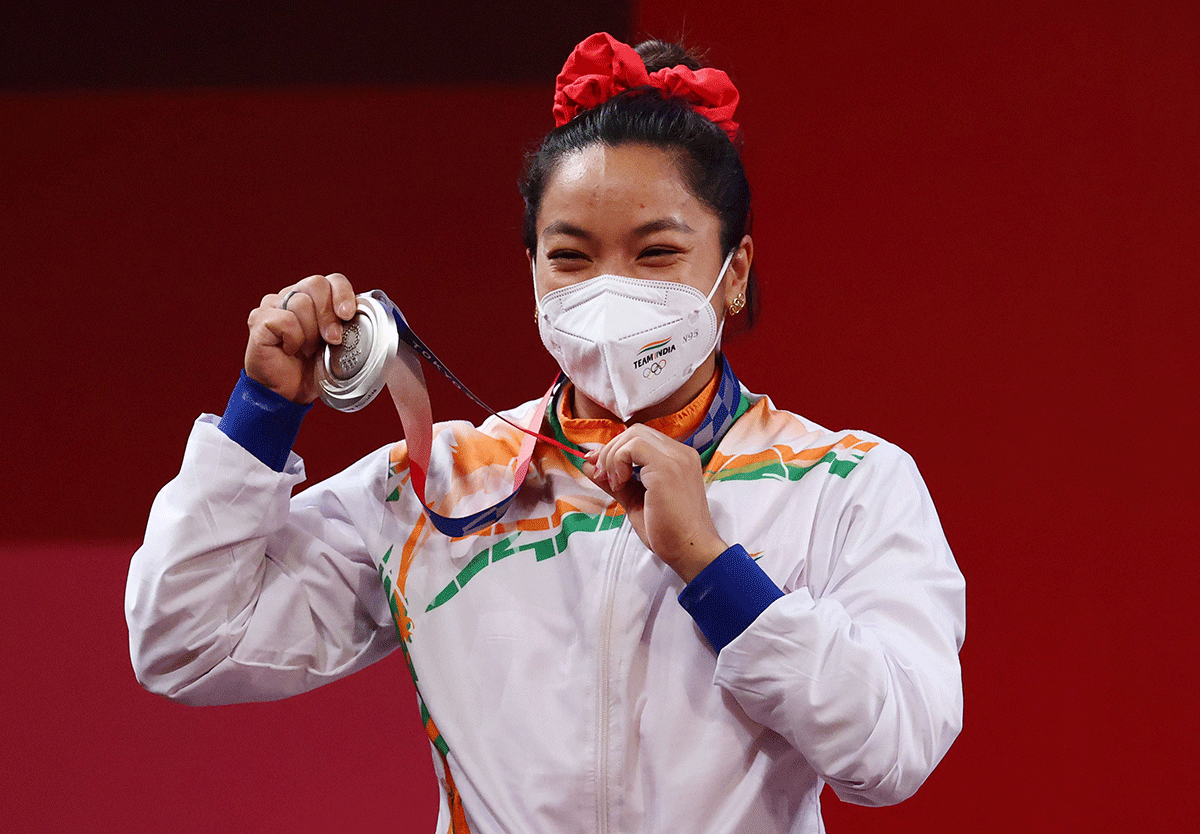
{"type": "Point", "coordinates": [347, 358]}
{"type": "Point", "coordinates": [351, 373]}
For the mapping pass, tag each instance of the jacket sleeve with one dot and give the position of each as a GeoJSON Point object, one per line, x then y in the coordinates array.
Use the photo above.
{"type": "Point", "coordinates": [857, 665]}
{"type": "Point", "coordinates": [241, 593]}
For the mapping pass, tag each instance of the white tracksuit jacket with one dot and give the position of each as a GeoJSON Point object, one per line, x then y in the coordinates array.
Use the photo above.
{"type": "Point", "coordinates": [563, 686]}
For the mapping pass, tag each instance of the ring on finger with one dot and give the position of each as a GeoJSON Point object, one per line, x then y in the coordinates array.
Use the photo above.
{"type": "Point", "coordinates": [287, 298]}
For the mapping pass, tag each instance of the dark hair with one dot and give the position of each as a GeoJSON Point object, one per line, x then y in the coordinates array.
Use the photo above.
{"type": "Point", "coordinates": [710, 163]}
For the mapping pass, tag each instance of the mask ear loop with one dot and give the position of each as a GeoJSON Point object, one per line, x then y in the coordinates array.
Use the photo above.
{"type": "Point", "coordinates": [720, 275]}
{"type": "Point", "coordinates": [712, 292]}
{"type": "Point", "coordinates": [537, 302]}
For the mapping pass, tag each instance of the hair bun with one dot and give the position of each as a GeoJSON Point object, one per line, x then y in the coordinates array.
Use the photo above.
{"type": "Point", "coordinates": [657, 55]}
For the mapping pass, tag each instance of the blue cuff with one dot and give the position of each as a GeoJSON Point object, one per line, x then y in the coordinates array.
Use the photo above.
{"type": "Point", "coordinates": [728, 595]}
{"type": "Point", "coordinates": [262, 422]}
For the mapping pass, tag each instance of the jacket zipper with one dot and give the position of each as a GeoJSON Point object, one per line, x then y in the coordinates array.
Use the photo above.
{"type": "Point", "coordinates": [602, 684]}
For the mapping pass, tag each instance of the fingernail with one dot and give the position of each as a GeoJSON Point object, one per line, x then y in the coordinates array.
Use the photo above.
{"type": "Point", "coordinates": [346, 309]}
{"type": "Point", "coordinates": [333, 334]}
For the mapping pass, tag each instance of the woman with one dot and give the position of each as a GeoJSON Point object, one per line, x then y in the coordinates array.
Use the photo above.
{"type": "Point", "coordinates": [820, 610]}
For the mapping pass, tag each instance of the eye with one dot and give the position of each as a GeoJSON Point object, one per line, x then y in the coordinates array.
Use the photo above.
{"type": "Point", "coordinates": [566, 255]}
{"type": "Point", "coordinates": [658, 253]}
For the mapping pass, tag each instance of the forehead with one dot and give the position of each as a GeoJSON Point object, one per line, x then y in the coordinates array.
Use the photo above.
{"type": "Point", "coordinates": [622, 186]}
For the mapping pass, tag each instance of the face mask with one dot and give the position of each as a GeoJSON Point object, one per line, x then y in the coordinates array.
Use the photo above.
{"type": "Point", "coordinates": [629, 344]}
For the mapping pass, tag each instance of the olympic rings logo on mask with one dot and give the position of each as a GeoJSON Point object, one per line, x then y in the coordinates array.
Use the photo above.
{"type": "Point", "coordinates": [654, 368]}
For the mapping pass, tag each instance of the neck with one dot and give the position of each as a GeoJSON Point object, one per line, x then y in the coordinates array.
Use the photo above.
{"type": "Point", "coordinates": [589, 409]}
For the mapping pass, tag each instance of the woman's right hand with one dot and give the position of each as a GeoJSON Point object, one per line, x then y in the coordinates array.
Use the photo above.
{"type": "Point", "coordinates": [285, 344]}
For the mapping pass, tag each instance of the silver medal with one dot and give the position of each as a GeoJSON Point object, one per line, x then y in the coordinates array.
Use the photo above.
{"type": "Point", "coordinates": [350, 374]}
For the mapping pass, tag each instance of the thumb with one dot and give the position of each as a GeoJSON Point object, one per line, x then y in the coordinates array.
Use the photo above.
{"type": "Point", "coordinates": [626, 494]}
{"type": "Point", "coordinates": [596, 477]}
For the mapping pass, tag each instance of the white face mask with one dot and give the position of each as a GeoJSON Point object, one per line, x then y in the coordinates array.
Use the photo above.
{"type": "Point", "coordinates": [629, 344]}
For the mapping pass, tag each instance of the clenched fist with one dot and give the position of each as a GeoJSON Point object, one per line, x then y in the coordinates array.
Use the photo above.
{"type": "Point", "coordinates": [289, 329]}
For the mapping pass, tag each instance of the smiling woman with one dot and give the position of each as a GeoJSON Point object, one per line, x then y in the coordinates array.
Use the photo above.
{"type": "Point", "coordinates": [820, 609]}
{"type": "Point", "coordinates": [617, 218]}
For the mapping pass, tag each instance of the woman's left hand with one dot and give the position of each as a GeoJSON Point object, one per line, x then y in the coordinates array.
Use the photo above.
{"type": "Point", "coordinates": [668, 509]}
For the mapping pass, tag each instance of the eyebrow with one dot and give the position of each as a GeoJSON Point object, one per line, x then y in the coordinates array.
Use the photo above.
{"type": "Point", "coordinates": [562, 227]}
{"type": "Point", "coordinates": [665, 224]}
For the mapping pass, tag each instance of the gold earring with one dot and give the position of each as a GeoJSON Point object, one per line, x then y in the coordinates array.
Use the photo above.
{"type": "Point", "coordinates": [737, 305]}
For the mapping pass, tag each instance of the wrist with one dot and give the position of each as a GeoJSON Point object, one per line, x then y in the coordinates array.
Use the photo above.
{"type": "Point", "coordinates": [296, 392]}
{"type": "Point", "coordinates": [728, 595]}
{"type": "Point", "coordinates": [262, 421]}
{"type": "Point", "coordinates": [696, 557]}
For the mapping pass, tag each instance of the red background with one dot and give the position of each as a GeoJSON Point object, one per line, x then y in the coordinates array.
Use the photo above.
{"type": "Point", "coordinates": [977, 230]}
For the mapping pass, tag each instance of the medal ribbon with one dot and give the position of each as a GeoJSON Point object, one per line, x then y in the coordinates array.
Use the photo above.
{"type": "Point", "coordinates": [406, 385]}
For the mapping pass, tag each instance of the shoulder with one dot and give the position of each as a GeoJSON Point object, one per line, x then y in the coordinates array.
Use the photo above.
{"type": "Point", "coordinates": [866, 490]}
{"type": "Point", "coordinates": [770, 442]}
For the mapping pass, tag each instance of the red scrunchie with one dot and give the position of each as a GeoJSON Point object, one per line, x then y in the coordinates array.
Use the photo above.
{"type": "Point", "coordinates": [601, 66]}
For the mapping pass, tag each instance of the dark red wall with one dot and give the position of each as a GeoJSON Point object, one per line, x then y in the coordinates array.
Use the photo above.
{"type": "Point", "coordinates": [978, 230]}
